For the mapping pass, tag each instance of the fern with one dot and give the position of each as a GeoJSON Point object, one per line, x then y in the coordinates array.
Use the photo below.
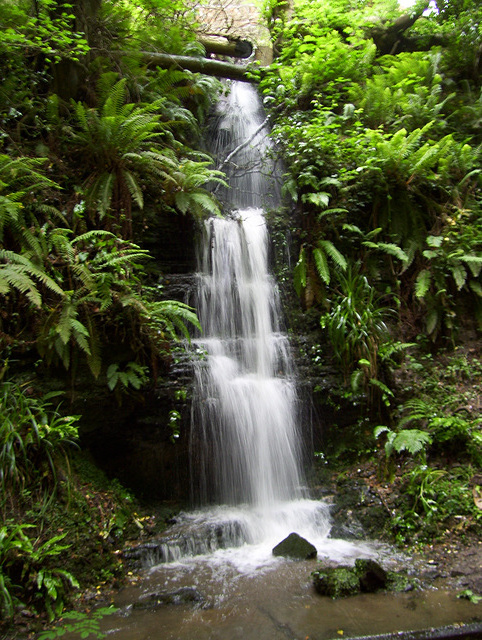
{"type": "Point", "coordinates": [18, 272]}
{"type": "Point", "coordinates": [411, 440]}
{"type": "Point", "coordinates": [171, 317]}
{"type": "Point", "coordinates": [334, 254]}
{"type": "Point", "coordinates": [422, 283]}
{"type": "Point", "coordinates": [321, 265]}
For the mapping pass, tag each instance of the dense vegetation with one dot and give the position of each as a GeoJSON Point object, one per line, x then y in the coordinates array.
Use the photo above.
{"type": "Point", "coordinates": [378, 117]}
{"type": "Point", "coordinates": [378, 120]}
{"type": "Point", "coordinates": [96, 150]}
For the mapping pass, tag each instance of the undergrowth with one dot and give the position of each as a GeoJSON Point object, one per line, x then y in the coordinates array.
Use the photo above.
{"type": "Point", "coordinates": [63, 521]}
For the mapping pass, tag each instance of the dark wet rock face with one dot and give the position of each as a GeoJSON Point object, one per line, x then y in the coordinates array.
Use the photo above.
{"type": "Point", "coordinates": [372, 576]}
{"type": "Point", "coordinates": [296, 548]}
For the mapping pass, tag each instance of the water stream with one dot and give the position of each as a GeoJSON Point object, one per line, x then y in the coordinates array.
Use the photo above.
{"type": "Point", "coordinates": [246, 448]}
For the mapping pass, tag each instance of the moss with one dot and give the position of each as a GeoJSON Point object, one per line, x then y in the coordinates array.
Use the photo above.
{"type": "Point", "coordinates": [336, 582]}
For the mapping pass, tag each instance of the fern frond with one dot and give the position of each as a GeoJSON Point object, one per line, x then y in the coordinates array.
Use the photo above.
{"type": "Point", "coordinates": [422, 283]}
{"type": "Point", "coordinates": [13, 277]}
{"type": "Point", "coordinates": [334, 254]}
{"type": "Point", "coordinates": [18, 273]}
{"type": "Point", "coordinates": [321, 263]}
{"type": "Point", "coordinates": [459, 274]}
{"type": "Point", "coordinates": [134, 188]}
{"type": "Point", "coordinates": [411, 440]}
{"type": "Point", "coordinates": [115, 99]}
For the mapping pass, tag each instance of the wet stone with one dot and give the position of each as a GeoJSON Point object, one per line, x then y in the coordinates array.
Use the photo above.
{"type": "Point", "coordinates": [296, 548]}
{"type": "Point", "coordinates": [185, 595]}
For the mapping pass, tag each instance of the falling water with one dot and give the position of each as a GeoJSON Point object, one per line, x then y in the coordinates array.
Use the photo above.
{"type": "Point", "coordinates": [245, 447]}
{"type": "Point", "coordinates": [246, 400]}
{"type": "Point", "coordinates": [245, 437]}
{"type": "Point", "coordinates": [245, 405]}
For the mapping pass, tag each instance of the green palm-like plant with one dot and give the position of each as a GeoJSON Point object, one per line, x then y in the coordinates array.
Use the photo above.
{"type": "Point", "coordinates": [113, 141]}
{"type": "Point", "coordinates": [122, 144]}
{"type": "Point", "coordinates": [356, 324]}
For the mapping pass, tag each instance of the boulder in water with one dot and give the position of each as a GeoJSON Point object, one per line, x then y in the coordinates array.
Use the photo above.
{"type": "Point", "coordinates": [372, 576]}
{"type": "Point", "coordinates": [295, 547]}
{"type": "Point", "coordinates": [338, 582]}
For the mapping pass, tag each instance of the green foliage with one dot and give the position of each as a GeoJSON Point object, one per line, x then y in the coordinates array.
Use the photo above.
{"type": "Point", "coordinates": [436, 497]}
{"type": "Point", "coordinates": [356, 324]}
{"type": "Point", "coordinates": [452, 264]}
{"type": "Point", "coordinates": [122, 145]}
{"type": "Point", "coordinates": [85, 624]}
{"type": "Point", "coordinates": [411, 440]}
{"type": "Point", "coordinates": [49, 31]}
{"type": "Point", "coordinates": [468, 594]}
{"type": "Point", "coordinates": [133, 375]}
{"type": "Point", "coordinates": [34, 440]}
{"type": "Point", "coordinates": [31, 560]}
{"type": "Point", "coordinates": [382, 156]}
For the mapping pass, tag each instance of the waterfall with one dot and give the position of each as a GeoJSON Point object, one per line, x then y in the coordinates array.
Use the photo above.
{"type": "Point", "coordinates": [245, 439]}
{"type": "Point", "coordinates": [245, 432]}
{"type": "Point", "coordinates": [245, 401]}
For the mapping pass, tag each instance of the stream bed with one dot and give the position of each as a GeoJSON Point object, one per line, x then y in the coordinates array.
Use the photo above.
{"type": "Point", "coordinates": [272, 602]}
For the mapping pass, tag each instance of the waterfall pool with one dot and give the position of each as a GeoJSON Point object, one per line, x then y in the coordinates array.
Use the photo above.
{"type": "Point", "coordinates": [249, 600]}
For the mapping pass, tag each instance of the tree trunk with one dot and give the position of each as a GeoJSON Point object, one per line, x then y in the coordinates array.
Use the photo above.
{"type": "Point", "coordinates": [197, 65]}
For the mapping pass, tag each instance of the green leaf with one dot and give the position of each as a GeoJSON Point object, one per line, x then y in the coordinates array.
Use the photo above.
{"type": "Point", "coordinates": [334, 254]}
{"type": "Point", "coordinates": [411, 440]}
{"type": "Point", "coordinates": [459, 274]}
{"type": "Point", "coordinates": [321, 265]}
{"type": "Point", "coordinates": [379, 430]}
{"type": "Point", "coordinates": [321, 199]}
{"type": "Point", "coordinates": [432, 321]}
{"type": "Point", "coordinates": [422, 283]}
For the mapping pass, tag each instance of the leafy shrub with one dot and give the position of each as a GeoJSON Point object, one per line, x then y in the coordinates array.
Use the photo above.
{"type": "Point", "coordinates": [27, 570]}
{"type": "Point", "coordinates": [34, 441]}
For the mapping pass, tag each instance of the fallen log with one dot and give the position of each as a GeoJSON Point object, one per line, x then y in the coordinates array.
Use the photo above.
{"type": "Point", "coordinates": [197, 65]}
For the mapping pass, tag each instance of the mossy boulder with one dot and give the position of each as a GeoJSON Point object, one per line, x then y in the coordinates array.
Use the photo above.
{"type": "Point", "coordinates": [338, 582]}
{"type": "Point", "coordinates": [296, 548]}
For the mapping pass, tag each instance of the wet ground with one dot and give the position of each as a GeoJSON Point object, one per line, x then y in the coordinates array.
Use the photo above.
{"type": "Point", "coordinates": [271, 604]}
{"type": "Point", "coordinates": [222, 599]}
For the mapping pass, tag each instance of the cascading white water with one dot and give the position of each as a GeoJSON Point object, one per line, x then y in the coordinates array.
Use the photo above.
{"type": "Point", "coordinates": [245, 439]}
{"type": "Point", "coordinates": [245, 405]}
{"type": "Point", "coordinates": [246, 400]}
{"type": "Point", "coordinates": [246, 446]}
